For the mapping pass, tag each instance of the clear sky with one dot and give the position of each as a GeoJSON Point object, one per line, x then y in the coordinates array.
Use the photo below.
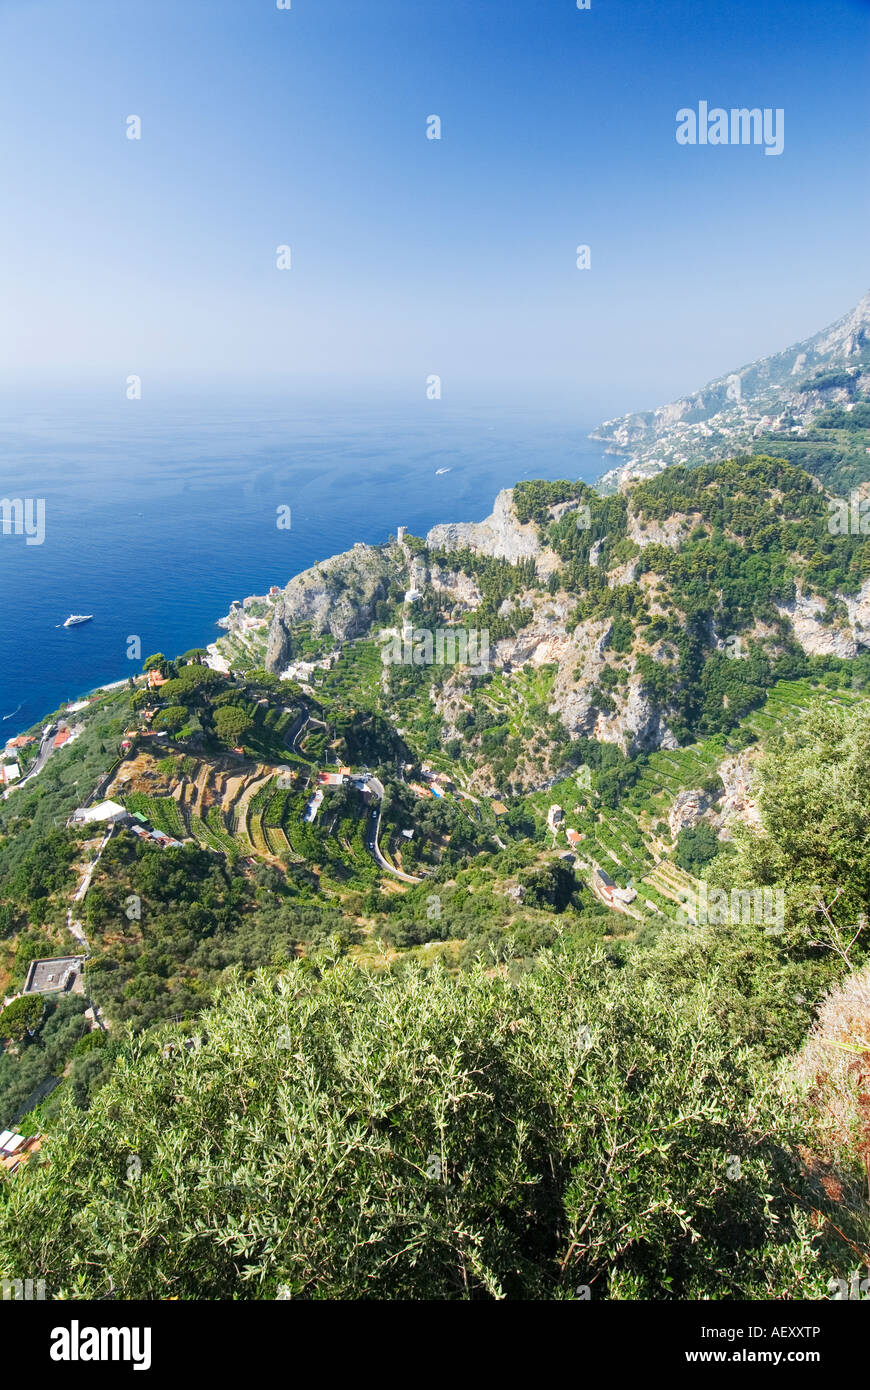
{"type": "Point", "coordinates": [410, 256]}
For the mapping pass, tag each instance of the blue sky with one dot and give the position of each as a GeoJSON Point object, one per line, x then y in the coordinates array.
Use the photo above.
{"type": "Point", "coordinates": [307, 127]}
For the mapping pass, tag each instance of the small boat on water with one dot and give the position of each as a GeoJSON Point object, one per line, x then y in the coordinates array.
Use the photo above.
{"type": "Point", "coordinates": [75, 618]}
{"type": "Point", "coordinates": [439, 471]}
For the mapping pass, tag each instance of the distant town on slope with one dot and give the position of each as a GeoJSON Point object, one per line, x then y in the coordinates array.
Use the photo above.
{"type": "Point", "coordinates": [808, 403]}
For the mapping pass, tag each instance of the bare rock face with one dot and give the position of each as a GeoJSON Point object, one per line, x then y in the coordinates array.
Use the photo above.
{"type": "Point", "coordinates": [670, 532]}
{"type": "Point", "coordinates": [638, 726]}
{"type": "Point", "coordinates": [582, 653]}
{"type": "Point", "coordinates": [544, 639]}
{"type": "Point", "coordinates": [454, 587]}
{"type": "Point", "coordinates": [738, 803]}
{"type": "Point", "coordinates": [816, 638]}
{"type": "Point", "coordinates": [500, 535]}
{"type": "Point", "coordinates": [622, 574]}
{"type": "Point", "coordinates": [688, 809]}
{"type": "Point", "coordinates": [337, 596]}
{"type": "Point", "coordinates": [859, 614]}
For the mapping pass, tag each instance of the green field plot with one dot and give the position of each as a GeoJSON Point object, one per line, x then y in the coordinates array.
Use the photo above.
{"type": "Point", "coordinates": [212, 839]}
{"type": "Point", "coordinates": [161, 811]}
{"type": "Point", "coordinates": [356, 676]}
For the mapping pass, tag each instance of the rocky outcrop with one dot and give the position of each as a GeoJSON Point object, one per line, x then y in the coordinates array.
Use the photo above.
{"type": "Point", "coordinates": [500, 535]}
{"type": "Point", "coordinates": [622, 574]}
{"type": "Point", "coordinates": [670, 532]}
{"type": "Point", "coordinates": [456, 588]}
{"type": "Point", "coordinates": [337, 596]}
{"type": "Point", "coordinates": [738, 801]}
{"type": "Point", "coordinates": [816, 637]}
{"type": "Point", "coordinates": [859, 614]}
{"type": "Point", "coordinates": [688, 809]}
{"type": "Point", "coordinates": [638, 726]}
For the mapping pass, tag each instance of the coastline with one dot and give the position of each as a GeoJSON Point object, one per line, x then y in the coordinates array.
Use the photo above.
{"type": "Point", "coordinates": [102, 687]}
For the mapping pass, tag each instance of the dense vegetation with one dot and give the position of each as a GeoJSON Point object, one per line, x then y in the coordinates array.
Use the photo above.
{"type": "Point", "coordinates": [471, 1078]}
{"type": "Point", "coordinates": [578, 1129]}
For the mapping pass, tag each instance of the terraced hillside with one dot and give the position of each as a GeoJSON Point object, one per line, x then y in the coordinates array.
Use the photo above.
{"type": "Point", "coordinates": [251, 810]}
{"type": "Point", "coordinates": [635, 842]}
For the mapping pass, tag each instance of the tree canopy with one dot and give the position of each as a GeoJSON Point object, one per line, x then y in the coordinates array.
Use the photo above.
{"type": "Point", "coordinates": [352, 1135]}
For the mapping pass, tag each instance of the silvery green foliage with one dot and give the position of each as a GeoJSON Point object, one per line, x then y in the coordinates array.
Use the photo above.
{"type": "Point", "coordinates": [356, 1134]}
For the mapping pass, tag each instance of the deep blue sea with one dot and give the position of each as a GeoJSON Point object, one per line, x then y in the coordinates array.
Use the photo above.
{"type": "Point", "coordinates": [158, 516]}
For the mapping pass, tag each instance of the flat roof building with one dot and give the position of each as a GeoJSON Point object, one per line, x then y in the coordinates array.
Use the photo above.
{"type": "Point", "coordinates": [104, 811]}
{"type": "Point", "coordinates": [54, 975]}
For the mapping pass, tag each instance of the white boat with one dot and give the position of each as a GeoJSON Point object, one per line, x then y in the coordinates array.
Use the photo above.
{"type": "Point", "coordinates": [439, 471]}
{"type": "Point", "coordinates": [75, 618]}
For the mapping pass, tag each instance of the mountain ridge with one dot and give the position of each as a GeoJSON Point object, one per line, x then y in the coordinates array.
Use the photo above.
{"type": "Point", "coordinates": [783, 394]}
{"type": "Point", "coordinates": [590, 604]}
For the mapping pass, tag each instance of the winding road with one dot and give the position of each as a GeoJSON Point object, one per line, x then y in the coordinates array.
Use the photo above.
{"type": "Point", "coordinates": [373, 833]}
{"type": "Point", "coordinates": [42, 757]}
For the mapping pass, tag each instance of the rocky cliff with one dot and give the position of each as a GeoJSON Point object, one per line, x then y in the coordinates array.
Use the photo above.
{"type": "Point", "coordinates": [500, 534]}
{"type": "Point", "coordinates": [337, 596]}
{"type": "Point", "coordinates": [563, 629]}
{"type": "Point", "coordinates": [784, 395]}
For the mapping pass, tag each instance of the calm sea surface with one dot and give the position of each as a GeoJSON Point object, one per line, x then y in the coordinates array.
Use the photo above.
{"type": "Point", "coordinates": [157, 517]}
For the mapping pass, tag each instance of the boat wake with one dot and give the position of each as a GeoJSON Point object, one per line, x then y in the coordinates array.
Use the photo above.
{"type": "Point", "coordinates": [9, 716]}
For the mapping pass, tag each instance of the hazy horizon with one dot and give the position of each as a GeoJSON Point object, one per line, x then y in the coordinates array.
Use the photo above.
{"type": "Point", "coordinates": [307, 127]}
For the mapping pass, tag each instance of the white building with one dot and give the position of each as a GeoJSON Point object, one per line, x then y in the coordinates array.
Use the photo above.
{"type": "Point", "coordinates": [104, 811]}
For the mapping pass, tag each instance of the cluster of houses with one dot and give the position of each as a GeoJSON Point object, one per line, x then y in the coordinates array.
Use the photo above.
{"type": "Point", "coordinates": [605, 888]}
{"type": "Point", "coordinates": [131, 735]}
{"type": "Point", "coordinates": [334, 779]}
{"type": "Point", "coordinates": [438, 784]}
{"type": "Point", "coordinates": [143, 832]}
{"type": "Point", "coordinates": [302, 671]}
{"type": "Point", "coordinates": [602, 884]}
{"type": "Point", "coordinates": [344, 775]}
{"type": "Point", "coordinates": [10, 770]}
{"type": "Point", "coordinates": [9, 773]}
{"type": "Point", "coordinates": [65, 735]}
{"type": "Point", "coordinates": [326, 779]}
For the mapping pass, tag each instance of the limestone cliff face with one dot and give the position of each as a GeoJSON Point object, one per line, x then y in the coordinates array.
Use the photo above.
{"type": "Point", "coordinates": [500, 535]}
{"type": "Point", "coordinates": [859, 614]}
{"type": "Point", "coordinates": [671, 532]}
{"type": "Point", "coordinates": [687, 810]}
{"type": "Point", "coordinates": [739, 803]}
{"type": "Point", "coordinates": [457, 590]}
{"type": "Point", "coordinates": [336, 596]}
{"type": "Point", "coordinates": [638, 726]}
{"type": "Point", "coordinates": [817, 639]}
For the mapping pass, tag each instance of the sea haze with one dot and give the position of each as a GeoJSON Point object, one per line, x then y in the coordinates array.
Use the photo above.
{"type": "Point", "coordinates": [159, 515]}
